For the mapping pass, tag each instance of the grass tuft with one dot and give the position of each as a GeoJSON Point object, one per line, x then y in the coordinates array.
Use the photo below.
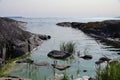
{"type": "Point", "coordinates": [68, 47]}
{"type": "Point", "coordinates": [110, 72]}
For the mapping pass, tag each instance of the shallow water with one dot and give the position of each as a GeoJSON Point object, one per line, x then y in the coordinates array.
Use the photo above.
{"type": "Point", "coordinates": [84, 44]}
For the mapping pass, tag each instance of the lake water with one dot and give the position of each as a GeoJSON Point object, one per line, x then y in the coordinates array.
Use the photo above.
{"type": "Point", "coordinates": [84, 44]}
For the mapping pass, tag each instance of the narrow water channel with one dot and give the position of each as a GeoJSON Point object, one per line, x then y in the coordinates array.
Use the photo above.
{"type": "Point", "coordinates": [84, 44]}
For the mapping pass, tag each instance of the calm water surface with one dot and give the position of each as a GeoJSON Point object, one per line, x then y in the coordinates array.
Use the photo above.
{"type": "Point", "coordinates": [84, 44]}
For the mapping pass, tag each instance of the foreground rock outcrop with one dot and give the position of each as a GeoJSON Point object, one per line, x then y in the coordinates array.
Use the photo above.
{"type": "Point", "coordinates": [14, 41]}
{"type": "Point", "coordinates": [108, 30]}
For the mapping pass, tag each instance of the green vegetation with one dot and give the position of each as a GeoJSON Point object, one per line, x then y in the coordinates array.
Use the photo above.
{"type": "Point", "coordinates": [5, 70]}
{"type": "Point", "coordinates": [110, 72]}
{"type": "Point", "coordinates": [68, 47]}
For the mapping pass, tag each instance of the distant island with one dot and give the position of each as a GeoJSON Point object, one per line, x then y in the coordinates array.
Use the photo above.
{"type": "Point", "coordinates": [15, 17]}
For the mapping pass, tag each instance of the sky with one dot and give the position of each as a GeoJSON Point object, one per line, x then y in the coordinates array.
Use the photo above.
{"type": "Point", "coordinates": [60, 8]}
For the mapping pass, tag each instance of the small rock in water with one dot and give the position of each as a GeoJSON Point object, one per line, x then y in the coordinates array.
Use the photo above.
{"type": "Point", "coordinates": [104, 59]}
{"type": "Point", "coordinates": [84, 70]}
{"type": "Point", "coordinates": [118, 53]}
{"type": "Point", "coordinates": [61, 67]}
{"type": "Point", "coordinates": [91, 78]}
{"type": "Point", "coordinates": [99, 62]}
{"type": "Point", "coordinates": [43, 63]}
{"type": "Point", "coordinates": [86, 57]}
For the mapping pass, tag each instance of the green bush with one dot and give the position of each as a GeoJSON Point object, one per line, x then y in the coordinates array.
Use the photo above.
{"type": "Point", "coordinates": [68, 47]}
{"type": "Point", "coordinates": [110, 72]}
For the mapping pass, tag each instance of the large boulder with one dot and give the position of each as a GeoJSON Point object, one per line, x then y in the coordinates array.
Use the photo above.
{"type": "Point", "coordinates": [58, 54]}
{"type": "Point", "coordinates": [14, 41]}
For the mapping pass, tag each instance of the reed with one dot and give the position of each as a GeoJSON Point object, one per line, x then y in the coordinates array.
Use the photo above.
{"type": "Point", "coordinates": [110, 72]}
{"type": "Point", "coordinates": [68, 47]}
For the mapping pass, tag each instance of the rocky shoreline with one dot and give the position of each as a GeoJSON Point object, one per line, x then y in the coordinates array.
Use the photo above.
{"type": "Point", "coordinates": [107, 31]}
{"type": "Point", "coordinates": [15, 41]}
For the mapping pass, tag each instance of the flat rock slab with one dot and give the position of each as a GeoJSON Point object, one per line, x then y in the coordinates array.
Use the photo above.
{"type": "Point", "coordinates": [61, 67]}
{"type": "Point", "coordinates": [58, 54]}
{"type": "Point", "coordinates": [42, 63]}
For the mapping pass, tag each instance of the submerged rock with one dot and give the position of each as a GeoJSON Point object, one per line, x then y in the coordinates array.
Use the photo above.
{"type": "Point", "coordinates": [86, 57]}
{"type": "Point", "coordinates": [58, 54]}
{"type": "Point", "coordinates": [61, 67]}
{"type": "Point", "coordinates": [42, 63]}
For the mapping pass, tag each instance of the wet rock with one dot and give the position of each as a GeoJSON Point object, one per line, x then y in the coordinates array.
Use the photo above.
{"type": "Point", "coordinates": [60, 67]}
{"type": "Point", "coordinates": [84, 70]}
{"type": "Point", "coordinates": [91, 78]}
{"type": "Point", "coordinates": [44, 37]}
{"type": "Point", "coordinates": [118, 53]}
{"type": "Point", "coordinates": [42, 63]}
{"type": "Point", "coordinates": [58, 54]}
{"type": "Point", "coordinates": [99, 62]}
{"type": "Point", "coordinates": [86, 57]}
{"type": "Point", "coordinates": [104, 59]}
